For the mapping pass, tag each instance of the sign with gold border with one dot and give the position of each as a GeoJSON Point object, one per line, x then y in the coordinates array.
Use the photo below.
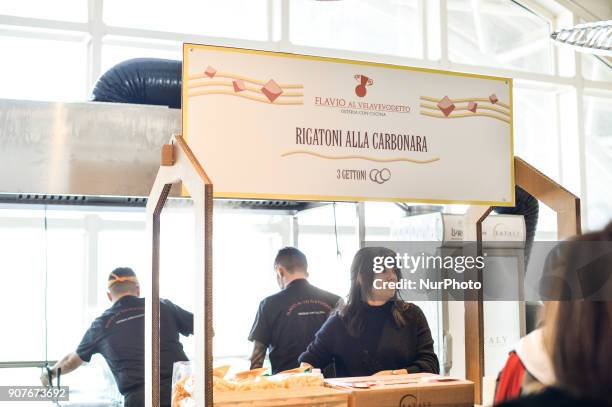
{"type": "Point", "coordinates": [270, 125]}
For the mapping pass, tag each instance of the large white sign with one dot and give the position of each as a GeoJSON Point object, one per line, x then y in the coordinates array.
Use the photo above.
{"type": "Point", "coordinates": [283, 126]}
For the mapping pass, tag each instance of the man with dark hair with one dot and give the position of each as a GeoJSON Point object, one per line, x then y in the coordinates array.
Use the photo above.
{"type": "Point", "coordinates": [287, 321]}
{"type": "Point", "coordinates": [118, 334]}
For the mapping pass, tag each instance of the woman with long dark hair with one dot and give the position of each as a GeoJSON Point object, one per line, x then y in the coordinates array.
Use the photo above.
{"type": "Point", "coordinates": [577, 325]}
{"type": "Point", "coordinates": [375, 332]}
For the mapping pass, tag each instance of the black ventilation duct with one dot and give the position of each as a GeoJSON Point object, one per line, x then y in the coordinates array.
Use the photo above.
{"type": "Point", "coordinates": [144, 81]}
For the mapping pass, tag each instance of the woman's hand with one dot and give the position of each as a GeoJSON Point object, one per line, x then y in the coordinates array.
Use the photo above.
{"type": "Point", "coordinates": [391, 372]}
{"type": "Point", "coordinates": [306, 365]}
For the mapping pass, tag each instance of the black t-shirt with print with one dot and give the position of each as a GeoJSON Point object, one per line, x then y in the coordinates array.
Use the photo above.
{"type": "Point", "coordinates": [287, 321]}
{"type": "Point", "coordinates": [118, 335]}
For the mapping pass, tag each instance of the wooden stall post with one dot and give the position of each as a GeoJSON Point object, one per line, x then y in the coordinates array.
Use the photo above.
{"type": "Point", "coordinates": [550, 193]}
{"type": "Point", "coordinates": [474, 314]}
{"type": "Point", "coordinates": [553, 195]}
{"type": "Point", "coordinates": [178, 164]}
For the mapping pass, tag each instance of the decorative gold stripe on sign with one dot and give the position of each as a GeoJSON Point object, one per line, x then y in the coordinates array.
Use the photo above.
{"type": "Point", "coordinates": [360, 157]}
{"type": "Point", "coordinates": [461, 115]}
{"type": "Point", "coordinates": [244, 78]}
{"type": "Point", "coordinates": [460, 100]}
{"type": "Point", "coordinates": [278, 101]}
{"type": "Point", "coordinates": [484, 107]}
{"type": "Point", "coordinates": [231, 85]}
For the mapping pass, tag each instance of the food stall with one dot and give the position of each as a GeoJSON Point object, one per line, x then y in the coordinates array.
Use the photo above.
{"type": "Point", "coordinates": [263, 125]}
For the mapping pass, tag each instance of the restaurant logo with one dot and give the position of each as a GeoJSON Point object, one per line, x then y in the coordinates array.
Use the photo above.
{"type": "Point", "coordinates": [360, 106]}
{"type": "Point", "coordinates": [380, 176]}
{"type": "Point", "coordinates": [360, 90]}
{"type": "Point", "coordinates": [409, 400]}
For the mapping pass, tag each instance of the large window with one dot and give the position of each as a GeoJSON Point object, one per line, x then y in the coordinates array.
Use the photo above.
{"type": "Point", "coordinates": [498, 33]}
{"type": "Point", "coordinates": [246, 19]}
{"type": "Point", "coordinates": [44, 68]}
{"type": "Point", "coordinates": [56, 261]}
{"type": "Point", "coordinates": [60, 10]}
{"type": "Point", "coordinates": [598, 124]}
{"type": "Point", "coordinates": [597, 68]}
{"type": "Point", "coordinates": [116, 49]}
{"type": "Point", "coordinates": [374, 26]}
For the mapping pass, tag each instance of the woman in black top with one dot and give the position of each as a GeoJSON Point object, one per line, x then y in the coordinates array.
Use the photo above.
{"type": "Point", "coordinates": [375, 332]}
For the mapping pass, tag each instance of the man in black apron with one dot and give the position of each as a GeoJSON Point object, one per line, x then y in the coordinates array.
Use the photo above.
{"type": "Point", "coordinates": [118, 335]}
{"type": "Point", "coordinates": [287, 321]}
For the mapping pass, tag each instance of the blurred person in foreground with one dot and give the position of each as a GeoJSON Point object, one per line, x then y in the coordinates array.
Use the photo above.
{"type": "Point", "coordinates": [118, 335]}
{"type": "Point", "coordinates": [577, 326]}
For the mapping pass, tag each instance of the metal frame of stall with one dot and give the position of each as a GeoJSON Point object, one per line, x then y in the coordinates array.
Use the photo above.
{"type": "Point", "coordinates": [180, 166]}
{"type": "Point", "coordinates": [567, 207]}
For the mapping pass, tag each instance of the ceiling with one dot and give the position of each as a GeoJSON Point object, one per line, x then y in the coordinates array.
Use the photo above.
{"type": "Point", "coordinates": [602, 9]}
